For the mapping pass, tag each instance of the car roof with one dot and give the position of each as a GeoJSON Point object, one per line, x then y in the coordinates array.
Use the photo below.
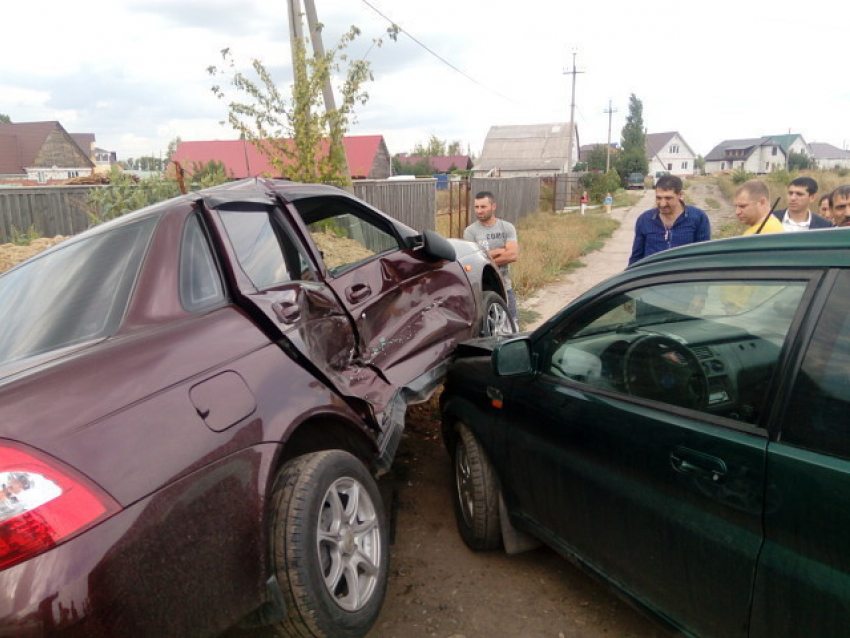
{"type": "Point", "coordinates": [829, 246]}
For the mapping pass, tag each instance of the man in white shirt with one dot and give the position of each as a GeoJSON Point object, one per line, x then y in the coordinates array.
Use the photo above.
{"type": "Point", "coordinates": [797, 217]}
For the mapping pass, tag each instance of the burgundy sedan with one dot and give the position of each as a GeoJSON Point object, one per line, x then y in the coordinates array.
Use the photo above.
{"type": "Point", "coordinates": [195, 398]}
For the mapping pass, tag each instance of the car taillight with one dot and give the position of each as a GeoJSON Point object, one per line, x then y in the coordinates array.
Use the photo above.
{"type": "Point", "coordinates": [43, 503]}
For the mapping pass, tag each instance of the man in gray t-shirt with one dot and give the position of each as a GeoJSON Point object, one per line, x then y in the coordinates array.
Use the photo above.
{"type": "Point", "coordinates": [498, 238]}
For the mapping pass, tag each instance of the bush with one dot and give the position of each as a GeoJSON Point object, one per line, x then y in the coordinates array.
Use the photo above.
{"type": "Point", "coordinates": [739, 176]}
{"type": "Point", "coordinates": [600, 184]}
{"type": "Point", "coordinates": [782, 176]}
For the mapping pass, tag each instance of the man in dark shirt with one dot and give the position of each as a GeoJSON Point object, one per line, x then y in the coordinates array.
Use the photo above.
{"type": "Point", "coordinates": [670, 223]}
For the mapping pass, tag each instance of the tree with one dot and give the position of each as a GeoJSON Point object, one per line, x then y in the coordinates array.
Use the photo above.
{"type": "Point", "coordinates": [798, 161]}
{"type": "Point", "coordinates": [266, 118]}
{"type": "Point", "coordinates": [435, 147]}
{"type": "Point", "coordinates": [5, 119]}
{"type": "Point", "coordinates": [172, 148]}
{"type": "Point", "coordinates": [597, 157]}
{"type": "Point", "coordinates": [632, 157]}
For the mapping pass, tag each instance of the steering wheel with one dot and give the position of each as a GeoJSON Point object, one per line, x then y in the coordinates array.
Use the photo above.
{"type": "Point", "coordinates": [660, 368]}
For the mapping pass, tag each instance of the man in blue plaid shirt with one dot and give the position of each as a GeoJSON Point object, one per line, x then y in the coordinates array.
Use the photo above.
{"type": "Point", "coordinates": [670, 223]}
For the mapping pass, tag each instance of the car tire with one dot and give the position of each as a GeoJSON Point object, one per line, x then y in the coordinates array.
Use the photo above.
{"type": "Point", "coordinates": [497, 317]}
{"type": "Point", "coordinates": [476, 492]}
{"type": "Point", "coordinates": [330, 546]}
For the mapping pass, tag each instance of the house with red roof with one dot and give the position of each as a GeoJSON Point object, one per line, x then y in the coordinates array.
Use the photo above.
{"type": "Point", "coordinates": [367, 155]}
{"type": "Point", "coordinates": [37, 153]}
{"type": "Point", "coordinates": [438, 163]}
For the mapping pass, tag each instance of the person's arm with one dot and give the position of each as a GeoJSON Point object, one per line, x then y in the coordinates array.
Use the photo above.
{"type": "Point", "coordinates": [506, 255]}
{"type": "Point", "coordinates": [639, 244]}
{"type": "Point", "coordinates": [703, 229]}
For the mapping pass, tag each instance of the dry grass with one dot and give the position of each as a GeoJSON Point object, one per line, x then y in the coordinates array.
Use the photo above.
{"type": "Point", "coordinates": [551, 245]}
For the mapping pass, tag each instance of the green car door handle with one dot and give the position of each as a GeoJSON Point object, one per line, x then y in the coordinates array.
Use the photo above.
{"type": "Point", "coordinates": [687, 461]}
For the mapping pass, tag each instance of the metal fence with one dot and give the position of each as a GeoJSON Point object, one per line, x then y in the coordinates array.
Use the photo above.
{"type": "Point", "coordinates": [50, 211]}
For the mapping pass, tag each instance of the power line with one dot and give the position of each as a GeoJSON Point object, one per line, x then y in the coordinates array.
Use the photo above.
{"type": "Point", "coordinates": [438, 56]}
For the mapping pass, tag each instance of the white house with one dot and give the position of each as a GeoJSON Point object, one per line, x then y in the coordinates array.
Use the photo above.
{"type": "Point", "coordinates": [527, 150]}
{"type": "Point", "coordinates": [757, 155]}
{"type": "Point", "coordinates": [829, 156]}
{"type": "Point", "coordinates": [668, 152]}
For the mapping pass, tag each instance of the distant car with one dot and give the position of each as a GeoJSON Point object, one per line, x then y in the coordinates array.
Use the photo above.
{"type": "Point", "coordinates": [194, 399]}
{"type": "Point", "coordinates": [657, 175]}
{"type": "Point", "coordinates": [681, 432]}
{"type": "Point", "coordinates": [635, 180]}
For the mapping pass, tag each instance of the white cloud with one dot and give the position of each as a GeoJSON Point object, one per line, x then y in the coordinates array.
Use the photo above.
{"type": "Point", "coordinates": [134, 71]}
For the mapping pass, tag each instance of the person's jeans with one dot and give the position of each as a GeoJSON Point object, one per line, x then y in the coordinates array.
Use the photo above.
{"type": "Point", "coordinates": [512, 307]}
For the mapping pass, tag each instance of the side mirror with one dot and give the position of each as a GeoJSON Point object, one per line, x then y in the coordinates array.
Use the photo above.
{"type": "Point", "coordinates": [512, 358]}
{"type": "Point", "coordinates": [437, 247]}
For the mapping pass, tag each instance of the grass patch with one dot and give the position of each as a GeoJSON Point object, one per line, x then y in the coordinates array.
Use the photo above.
{"type": "Point", "coordinates": [551, 244]}
{"type": "Point", "coordinates": [24, 238]}
{"type": "Point", "coordinates": [712, 204]}
{"type": "Point", "coordinates": [730, 229]}
{"type": "Point", "coordinates": [526, 317]}
{"type": "Point", "coordinates": [626, 198]}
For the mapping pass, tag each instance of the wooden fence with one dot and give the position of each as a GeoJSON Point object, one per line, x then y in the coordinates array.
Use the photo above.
{"type": "Point", "coordinates": [412, 202]}
{"type": "Point", "coordinates": [51, 211]}
{"type": "Point", "coordinates": [62, 210]}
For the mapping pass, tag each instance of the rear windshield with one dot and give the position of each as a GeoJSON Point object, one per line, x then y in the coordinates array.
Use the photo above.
{"type": "Point", "coordinates": [77, 293]}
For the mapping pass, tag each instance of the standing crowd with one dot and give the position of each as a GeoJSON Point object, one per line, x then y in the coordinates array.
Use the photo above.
{"type": "Point", "coordinates": [672, 223]}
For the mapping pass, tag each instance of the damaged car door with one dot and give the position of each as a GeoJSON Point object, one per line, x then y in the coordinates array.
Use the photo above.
{"type": "Point", "coordinates": [410, 307]}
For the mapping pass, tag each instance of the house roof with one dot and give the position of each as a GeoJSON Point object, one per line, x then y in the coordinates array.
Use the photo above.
{"type": "Point", "coordinates": [243, 159]}
{"type": "Point", "coordinates": [526, 147]}
{"type": "Point", "coordinates": [22, 142]}
{"type": "Point", "coordinates": [785, 141]}
{"type": "Point", "coordinates": [440, 163]}
{"type": "Point", "coordinates": [824, 151]}
{"type": "Point", "coordinates": [656, 142]}
{"type": "Point", "coordinates": [718, 153]}
{"type": "Point", "coordinates": [85, 141]}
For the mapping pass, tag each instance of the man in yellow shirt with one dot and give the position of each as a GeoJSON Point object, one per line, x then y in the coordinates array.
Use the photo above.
{"type": "Point", "coordinates": [752, 208]}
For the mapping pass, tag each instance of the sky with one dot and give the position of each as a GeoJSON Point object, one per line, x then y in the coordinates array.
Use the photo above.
{"type": "Point", "coordinates": [134, 72]}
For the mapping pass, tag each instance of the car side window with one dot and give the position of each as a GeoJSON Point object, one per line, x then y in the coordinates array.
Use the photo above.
{"type": "Point", "coordinates": [265, 250]}
{"type": "Point", "coordinates": [345, 235]}
{"type": "Point", "coordinates": [200, 281]}
{"type": "Point", "coordinates": [816, 417]}
{"type": "Point", "coordinates": [682, 344]}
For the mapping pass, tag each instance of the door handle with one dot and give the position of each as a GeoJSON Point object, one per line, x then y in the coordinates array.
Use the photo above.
{"type": "Point", "coordinates": [287, 309]}
{"type": "Point", "coordinates": [687, 461]}
{"type": "Point", "coordinates": [358, 292]}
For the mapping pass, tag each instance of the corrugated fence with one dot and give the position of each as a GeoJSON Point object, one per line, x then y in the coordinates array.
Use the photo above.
{"type": "Point", "coordinates": [62, 210]}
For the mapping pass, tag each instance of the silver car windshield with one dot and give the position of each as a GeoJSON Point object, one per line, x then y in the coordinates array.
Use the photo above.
{"type": "Point", "coordinates": [73, 294]}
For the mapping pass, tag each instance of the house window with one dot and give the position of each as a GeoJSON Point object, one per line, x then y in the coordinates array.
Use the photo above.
{"type": "Point", "coordinates": [674, 148]}
{"type": "Point", "coordinates": [41, 178]}
{"type": "Point", "coordinates": [685, 165]}
{"type": "Point", "coordinates": [670, 167]}
{"type": "Point", "coordinates": [722, 166]}
{"type": "Point", "coordinates": [73, 173]}
{"type": "Point", "coordinates": [773, 151]}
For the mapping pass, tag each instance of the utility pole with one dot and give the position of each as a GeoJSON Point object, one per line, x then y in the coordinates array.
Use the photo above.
{"type": "Point", "coordinates": [610, 111]}
{"type": "Point", "coordinates": [572, 128]}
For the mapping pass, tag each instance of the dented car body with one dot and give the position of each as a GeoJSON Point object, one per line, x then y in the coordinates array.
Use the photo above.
{"type": "Point", "coordinates": [165, 377]}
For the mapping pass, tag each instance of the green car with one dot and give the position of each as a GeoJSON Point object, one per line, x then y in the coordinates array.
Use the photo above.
{"type": "Point", "coordinates": [635, 180]}
{"type": "Point", "coordinates": [681, 431]}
